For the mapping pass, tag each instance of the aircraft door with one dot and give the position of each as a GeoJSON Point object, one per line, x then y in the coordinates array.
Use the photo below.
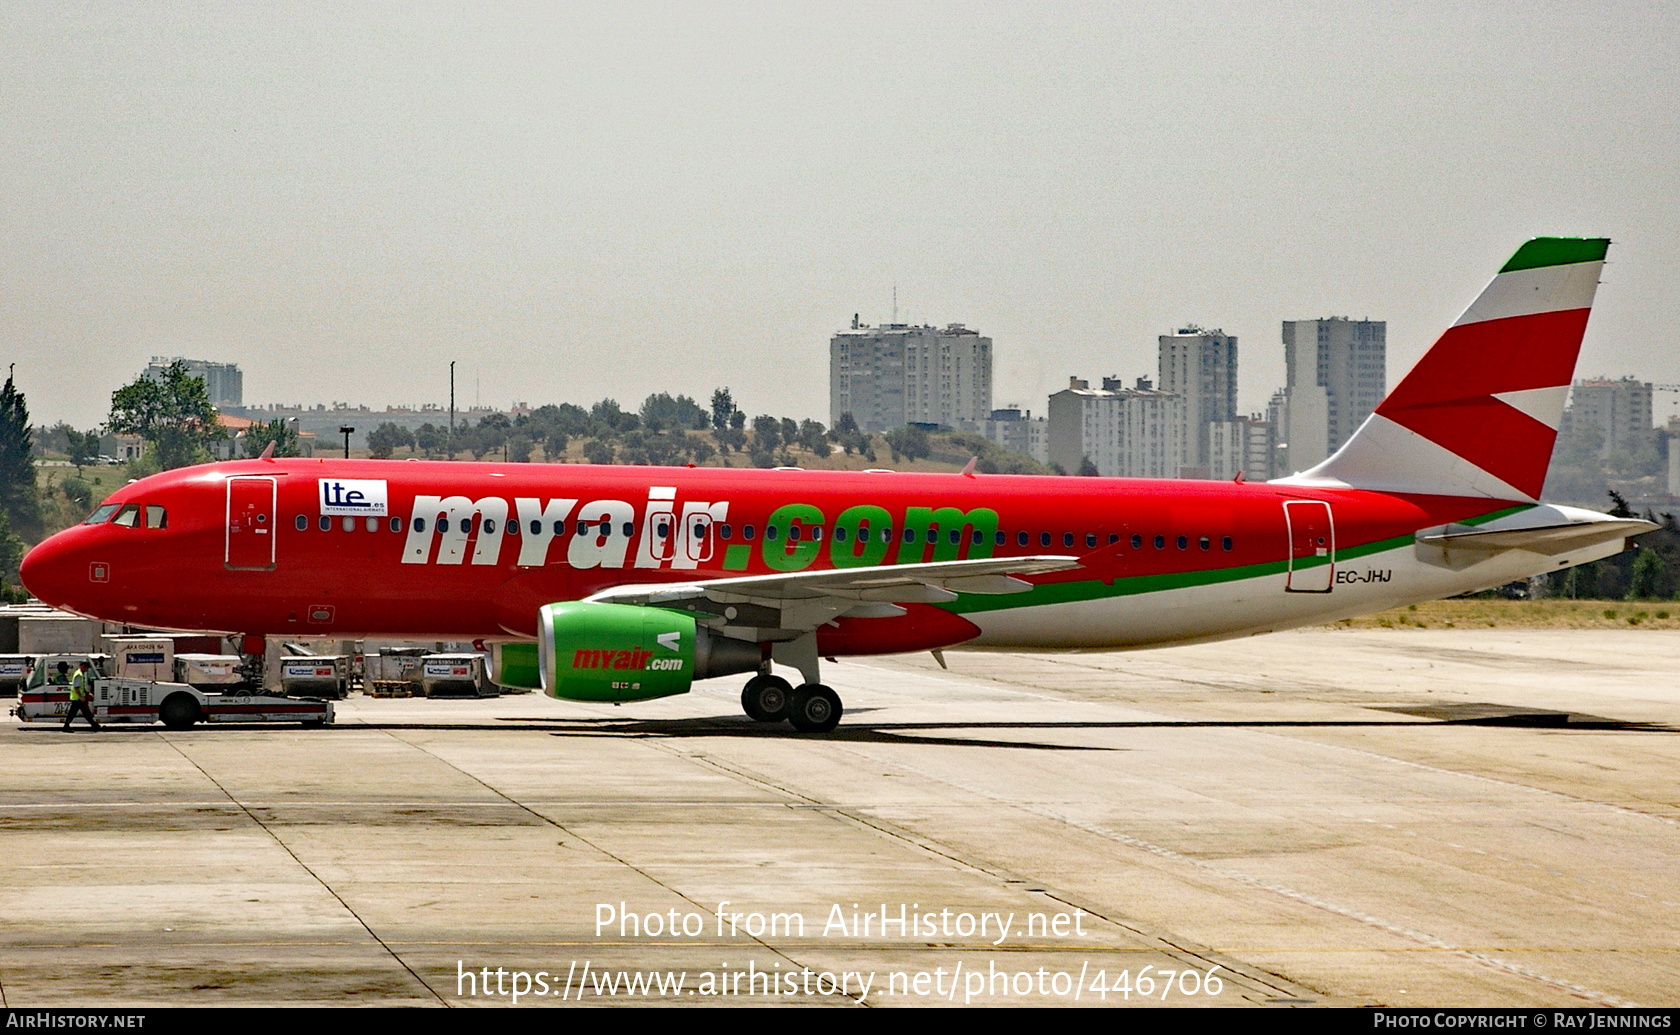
{"type": "Point", "coordinates": [250, 523]}
{"type": "Point", "coordinates": [697, 535]}
{"type": "Point", "coordinates": [1312, 546]}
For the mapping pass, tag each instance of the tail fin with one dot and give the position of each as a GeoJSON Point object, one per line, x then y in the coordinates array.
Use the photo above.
{"type": "Point", "coordinates": [1479, 413]}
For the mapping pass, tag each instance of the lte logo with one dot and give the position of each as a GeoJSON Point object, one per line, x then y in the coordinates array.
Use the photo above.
{"type": "Point", "coordinates": [99, 571]}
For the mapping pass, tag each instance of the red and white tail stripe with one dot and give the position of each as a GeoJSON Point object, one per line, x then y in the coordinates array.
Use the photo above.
{"type": "Point", "coordinates": [1479, 413]}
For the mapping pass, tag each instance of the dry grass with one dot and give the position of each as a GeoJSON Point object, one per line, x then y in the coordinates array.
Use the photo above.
{"type": "Point", "coordinates": [1524, 614]}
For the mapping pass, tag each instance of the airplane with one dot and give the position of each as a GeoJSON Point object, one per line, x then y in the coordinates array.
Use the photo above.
{"type": "Point", "coordinates": [603, 583]}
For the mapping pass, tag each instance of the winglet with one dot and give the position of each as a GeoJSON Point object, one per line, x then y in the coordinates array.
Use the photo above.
{"type": "Point", "coordinates": [268, 452]}
{"type": "Point", "coordinates": [968, 469]}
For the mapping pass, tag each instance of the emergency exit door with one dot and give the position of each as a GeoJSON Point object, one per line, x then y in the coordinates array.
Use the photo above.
{"type": "Point", "coordinates": [250, 523]}
{"type": "Point", "coordinates": [1312, 546]}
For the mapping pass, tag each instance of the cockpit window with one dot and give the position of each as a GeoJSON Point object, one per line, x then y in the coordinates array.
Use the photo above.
{"type": "Point", "coordinates": [156, 517]}
{"type": "Point", "coordinates": [102, 515]}
{"type": "Point", "coordinates": [127, 517]}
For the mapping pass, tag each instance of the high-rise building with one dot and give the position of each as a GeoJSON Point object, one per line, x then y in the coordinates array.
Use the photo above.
{"type": "Point", "coordinates": [1243, 446]}
{"type": "Point", "coordinates": [222, 381]}
{"type": "Point", "coordinates": [1617, 413]}
{"type": "Point", "coordinates": [1200, 367]}
{"type": "Point", "coordinates": [897, 374]}
{"type": "Point", "coordinates": [1125, 432]}
{"type": "Point", "coordinates": [1017, 430]}
{"type": "Point", "coordinates": [1337, 375]}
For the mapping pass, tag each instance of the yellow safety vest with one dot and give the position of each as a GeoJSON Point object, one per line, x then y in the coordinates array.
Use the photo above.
{"type": "Point", "coordinates": [78, 685]}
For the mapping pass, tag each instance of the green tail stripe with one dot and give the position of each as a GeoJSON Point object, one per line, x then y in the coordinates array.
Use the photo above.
{"type": "Point", "coordinates": [1557, 251]}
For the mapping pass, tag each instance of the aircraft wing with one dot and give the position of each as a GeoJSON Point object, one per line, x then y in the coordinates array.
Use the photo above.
{"type": "Point", "coordinates": [801, 601]}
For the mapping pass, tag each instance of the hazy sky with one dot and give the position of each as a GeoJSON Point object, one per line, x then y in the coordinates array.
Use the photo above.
{"type": "Point", "coordinates": [577, 201]}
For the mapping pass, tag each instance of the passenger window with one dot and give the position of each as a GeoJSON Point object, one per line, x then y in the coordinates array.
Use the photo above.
{"type": "Point", "coordinates": [886, 534]}
{"type": "Point", "coordinates": [909, 535]}
{"type": "Point", "coordinates": [349, 524]}
{"type": "Point", "coordinates": [302, 523]}
{"type": "Point", "coordinates": [536, 527]}
{"type": "Point", "coordinates": [771, 531]}
{"type": "Point", "coordinates": [840, 533]}
{"type": "Point", "coordinates": [629, 530]}
{"type": "Point", "coordinates": [954, 536]}
{"type": "Point", "coordinates": [662, 529]}
{"type": "Point", "coordinates": [1225, 543]}
{"type": "Point", "coordinates": [127, 517]}
{"type": "Point", "coordinates": [700, 532]}
{"type": "Point", "coordinates": [396, 524]}
{"type": "Point", "coordinates": [156, 518]}
{"type": "Point", "coordinates": [998, 538]}
{"type": "Point", "coordinates": [1137, 542]}
{"type": "Point", "coordinates": [1204, 542]}
{"type": "Point", "coordinates": [726, 532]}
{"type": "Point", "coordinates": [1067, 539]}
{"type": "Point", "coordinates": [1160, 542]}
{"type": "Point", "coordinates": [1183, 542]}
{"type": "Point", "coordinates": [100, 516]}
{"type": "Point", "coordinates": [1020, 538]}
{"type": "Point", "coordinates": [1113, 537]}
{"type": "Point", "coordinates": [373, 524]}
{"type": "Point", "coordinates": [747, 532]}
{"type": "Point", "coordinates": [419, 524]}
{"type": "Point", "coordinates": [559, 528]}
{"type": "Point", "coordinates": [933, 535]}
{"type": "Point", "coordinates": [466, 525]}
{"type": "Point", "coordinates": [816, 533]}
{"type": "Point", "coordinates": [325, 524]}
{"type": "Point", "coordinates": [793, 533]}
{"type": "Point", "coordinates": [489, 527]}
{"type": "Point", "coordinates": [1044, 538]}
{"type": "Point", "coordinates": [583, 528]}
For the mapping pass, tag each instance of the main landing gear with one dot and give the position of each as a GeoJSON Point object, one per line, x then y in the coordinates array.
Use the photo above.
{"type": "Point", "coordinates": [812, 708]}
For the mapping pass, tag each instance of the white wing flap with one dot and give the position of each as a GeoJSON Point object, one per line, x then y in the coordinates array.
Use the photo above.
{"type": "Point", "coordinates": [933, 582]}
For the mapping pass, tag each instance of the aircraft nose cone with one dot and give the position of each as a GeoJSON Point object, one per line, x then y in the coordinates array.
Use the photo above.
{"type": "Point", "coordinates": [45, 570]}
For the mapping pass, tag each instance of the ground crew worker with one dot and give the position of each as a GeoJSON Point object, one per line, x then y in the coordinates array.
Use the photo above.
{"type": "Point", "coordinates": [79, 701]}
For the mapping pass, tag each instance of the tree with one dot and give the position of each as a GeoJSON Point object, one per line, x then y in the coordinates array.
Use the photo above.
{"type": "Point", "coordinates": [280, 431]}
{"type": "Point", "coordinates": [723, 408]}
{"type": "Point", "coordinates": [1087, 469]}
{"type": "Point", "coordinates": [172, 413]}
{"type": "Point", "coordinates": [814, 437]}
{"type": "Point", "coordinates": [431, 439]}
{"type": "Point", "coordinates": [597, 451]}
{"type": "Point", "coordinates": [910, 441]}
{"type": "Point", "coordinates": [767, 433]}
{"type": "Point", "coordinates": [388, 438]}
{"type": "Point", "coordinates": [19, 501]}
{"type": "Point", "coordinates": [83, 447]}
{"type": "Point", "coordinates": [1646, 580]}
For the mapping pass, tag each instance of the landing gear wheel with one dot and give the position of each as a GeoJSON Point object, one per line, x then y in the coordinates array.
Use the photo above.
{"type": "Point", "coordinates": [814, 708]}
{"type": "Point", "coordinates": [178, 711]}
{"type": "Point", "coordinates": [766, 698]}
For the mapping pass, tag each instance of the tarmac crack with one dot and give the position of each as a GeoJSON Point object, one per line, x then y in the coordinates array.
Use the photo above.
{"type": "Point", "coordinates": [253, 817]}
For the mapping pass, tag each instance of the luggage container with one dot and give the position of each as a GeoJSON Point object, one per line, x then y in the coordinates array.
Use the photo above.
{"type": "Point", "coordinates": [142, 657]}
{"type": "Point", "coordinates": [455, 675]}
{"type": "Point", "coordinates": [322, 676]}
{"type": "Point", "coordinates": [210, 671]}
{"type": "Point", "coordinates": [14, 673]}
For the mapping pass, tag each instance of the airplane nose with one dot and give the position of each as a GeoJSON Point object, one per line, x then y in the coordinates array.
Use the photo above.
{"type": "Point", "coordinates": [45, 570]}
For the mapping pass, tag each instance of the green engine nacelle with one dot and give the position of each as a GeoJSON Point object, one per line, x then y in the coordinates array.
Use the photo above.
{"type": "Point", "coordinates": [515, 665]}
{"type": "Point", "coordinates": [617, 652]}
